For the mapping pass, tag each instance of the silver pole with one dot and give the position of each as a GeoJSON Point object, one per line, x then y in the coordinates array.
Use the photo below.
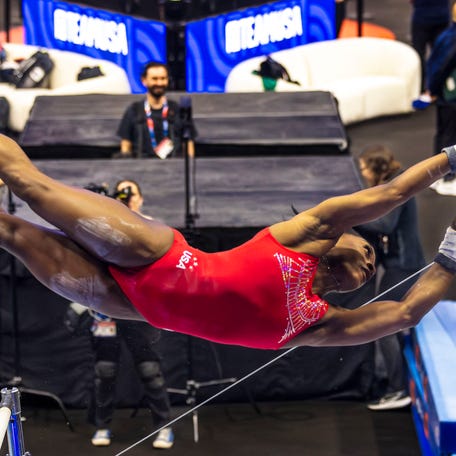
{"type": "Point", "coordinates": [5, 415]}
{"type": "Point", "coordinates": [15, 434]}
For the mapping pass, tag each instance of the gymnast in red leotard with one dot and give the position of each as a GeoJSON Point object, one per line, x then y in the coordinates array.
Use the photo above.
{"type": "Point", "coordinates": [217, 296]}
{"type": "Point", "coordinates": [266, 293]}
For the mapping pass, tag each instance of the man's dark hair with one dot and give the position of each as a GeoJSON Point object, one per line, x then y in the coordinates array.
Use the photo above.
{"type": "Point", "coordinates": [153, 65]}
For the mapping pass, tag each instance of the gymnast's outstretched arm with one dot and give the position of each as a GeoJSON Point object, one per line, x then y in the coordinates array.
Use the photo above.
{"type": "Point", "coordinates": [378, 319]}
{"type": "Point", "coordinates": [316, 230]}
{"type": "Point", "coordinates": [104, 227]}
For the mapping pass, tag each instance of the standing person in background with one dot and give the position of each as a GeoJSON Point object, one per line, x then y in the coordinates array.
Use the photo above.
{"type": "Point", "coordinates": [152, 127]}
{"type": "Point", "coordinates": [441, 71]}
{"type": "Point", "coordinates": [397, 243]}
{"type": "Point", "coordinates": [340, 15]}
{"type": "Point", "coordinates": [429, 19]}
{"type": "Point", "coordinates": [140, 340]}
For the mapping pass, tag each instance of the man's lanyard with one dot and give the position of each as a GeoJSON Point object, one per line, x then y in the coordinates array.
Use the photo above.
{"type": "Point", "coordinates": [150, 122]}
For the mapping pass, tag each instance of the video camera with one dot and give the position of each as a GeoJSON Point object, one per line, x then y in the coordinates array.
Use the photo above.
{"type": "Point", "coordinates": [102, 189]}
{"type": "Point", "coordinates": [123, 195]}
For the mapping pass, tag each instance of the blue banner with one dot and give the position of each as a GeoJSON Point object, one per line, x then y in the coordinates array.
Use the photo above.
{"type": "Point", "coordinates": [127, 41]}
{"type": "Point", "coordinates": [216, 45]}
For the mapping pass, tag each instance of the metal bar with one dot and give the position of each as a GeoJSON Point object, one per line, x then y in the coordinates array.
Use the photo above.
{"type": "Point", "coordinates": [11, 397]}
{"type": "Point", "coordinates": [5, 415]}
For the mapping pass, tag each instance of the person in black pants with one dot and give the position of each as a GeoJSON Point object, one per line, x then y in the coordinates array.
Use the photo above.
{"type": "Point", "coordinates": [140, 339]}
{"type": "Point", "coordinates": [340, 15]}
{"type": "Point", "coordinates": [441, 81]}
{"type": "Point", "coordinates": [429, 19]}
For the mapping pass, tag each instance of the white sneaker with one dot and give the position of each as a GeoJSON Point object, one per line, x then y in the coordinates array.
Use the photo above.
{"type": "Point", "coordinates": [391, 401]}
{"type": "Point", "coordinates": [422, 102]}
{"type": "Point", "coordinates": [164, 439]}
{"type": "Point", "coordinates": [102, 437]}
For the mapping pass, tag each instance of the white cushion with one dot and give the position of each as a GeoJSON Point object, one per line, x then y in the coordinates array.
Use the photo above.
{"type": "Point", "coordinates": [62, 80]}
{"type": "Point", "coordinates": [243, 79]}
{"type": "Point", "coordinates": [389, 97]}
{"type": "Point", "coordinates": [6, 89]}
{"type": "Point", "coordinates": [350, 100]}
{"type": "Point", "coordinates": [370, 77]}
{"type": "Point", "coordinates": [21, 102]}
{"type": "Point", "coordinates": [297, 65]}
{"type": "Point", "coordinates": [368, 97]}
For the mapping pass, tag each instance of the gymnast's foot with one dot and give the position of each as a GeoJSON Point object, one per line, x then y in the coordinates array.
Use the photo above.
{"type": "Point", "coordinates": [11, 156]}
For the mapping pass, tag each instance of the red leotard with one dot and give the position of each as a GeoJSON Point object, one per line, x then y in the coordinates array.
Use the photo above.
{"type": "Point", "coordinates": [256, 295]}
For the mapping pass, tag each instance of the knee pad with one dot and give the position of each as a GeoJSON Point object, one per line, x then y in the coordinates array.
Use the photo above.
{"type": "Point", "coordinates": [151, 374]}
{"type": "Point", "coordinates": [105, 369]}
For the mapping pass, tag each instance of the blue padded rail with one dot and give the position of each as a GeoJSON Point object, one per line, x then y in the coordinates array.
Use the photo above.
{"type": "Point", "coordinates": [431, 358]}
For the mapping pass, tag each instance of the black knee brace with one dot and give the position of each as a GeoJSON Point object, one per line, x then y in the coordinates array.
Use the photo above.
{"type": "Point", "coordinates": [151, 374]}
{"type": "Point", "coordinates": [105, 369]}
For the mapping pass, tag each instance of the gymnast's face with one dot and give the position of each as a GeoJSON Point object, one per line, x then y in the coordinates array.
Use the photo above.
{"type": "Point", "coordinates": [352, 262]}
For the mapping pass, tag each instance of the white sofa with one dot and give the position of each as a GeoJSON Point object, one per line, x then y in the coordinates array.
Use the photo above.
{"type": "Point", "coordinates": [370, 77]}
{"type": "Point", "coordinates": [62, 80]}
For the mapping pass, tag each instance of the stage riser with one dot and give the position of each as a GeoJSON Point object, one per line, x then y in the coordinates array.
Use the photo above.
{"type": "Point", "coordinates": [85, 126]}
{"type": "Point", "coordinates": [230, 192]}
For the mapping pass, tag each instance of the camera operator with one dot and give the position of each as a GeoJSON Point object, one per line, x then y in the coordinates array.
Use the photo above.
{"type": "Point", "coordinates": [140, 339]}
{"type": "Point", "coordinates": [129, 192]}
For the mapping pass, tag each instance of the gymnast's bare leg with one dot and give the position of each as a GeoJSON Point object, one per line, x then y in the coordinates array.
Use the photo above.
{"type": "Point", "coordinates": [103, 226]}
{"type": "Point", "coordinates": [64, 267]}
{"type": "Point", "coordinates": [95, 231]}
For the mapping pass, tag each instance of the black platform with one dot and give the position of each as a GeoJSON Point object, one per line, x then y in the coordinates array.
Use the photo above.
{"type": "Point", "coordinates": [232, 192]}
{"type": "Point", "coordinates": [84, 126]}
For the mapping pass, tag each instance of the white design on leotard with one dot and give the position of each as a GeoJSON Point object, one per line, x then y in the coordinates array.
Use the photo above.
{"type": "Point", "coordinates": [302, 311]}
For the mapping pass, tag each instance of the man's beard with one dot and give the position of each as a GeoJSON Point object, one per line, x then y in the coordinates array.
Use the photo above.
{"type": "Point", "coordinates": [156, 92]}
